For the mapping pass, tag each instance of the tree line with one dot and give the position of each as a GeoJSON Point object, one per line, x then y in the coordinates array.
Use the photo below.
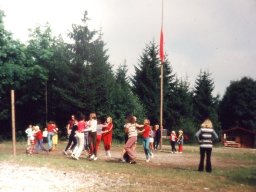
{"type": "Point", "coordinates": [53, 79]}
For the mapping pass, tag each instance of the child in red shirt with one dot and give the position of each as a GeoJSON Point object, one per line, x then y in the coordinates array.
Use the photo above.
{"type": "Point", "coordinates": [39, 140]}
{"type": "Point", "coordinates": [107, 136]}
{"type": "Point", "coordinates": [145, 136]}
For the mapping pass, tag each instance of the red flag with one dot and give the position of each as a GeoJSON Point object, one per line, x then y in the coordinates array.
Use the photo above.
{"type": "Point", "coordinates": [162, 46]}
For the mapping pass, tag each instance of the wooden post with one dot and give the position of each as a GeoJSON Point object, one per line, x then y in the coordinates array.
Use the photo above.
{"type": "Point", "coordinates": [46, 104]}
{"type": "Point", "coordinates": [13, 123]}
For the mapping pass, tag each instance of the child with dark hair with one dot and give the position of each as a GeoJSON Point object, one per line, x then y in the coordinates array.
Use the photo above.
{"type": "Point", "coordinates": [72, 141]}
{"type": "Point", "coordinates": [81, 125]}
{"type": "Point", "coordinates": [157, 136]}
{"type": "Point", "coordinates": [130, 145]}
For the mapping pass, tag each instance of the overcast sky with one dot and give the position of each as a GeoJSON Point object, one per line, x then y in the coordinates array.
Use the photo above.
{"type": "Point", "coordinates": [218, 36]}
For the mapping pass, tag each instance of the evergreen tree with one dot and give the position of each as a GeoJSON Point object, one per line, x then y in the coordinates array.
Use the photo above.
{"type": "Point", "coordinates": [146, 81]}
{"type": "Point", "coordinates": [182, 108]}
{"type": "Point", "coordinates": [204, 104]}
{"type": "Point", "coordinates": [146, 84]}
{"type": "Point", "coordinates": [169, 97]}
{"type": "Point", "coordinates": [182, 102]}
{"type": "Point", "coordinates": [238, 106]}
{"type": "Point", "coordinates": [123, 102]}
{"type": "Point", "coordinates": [92, 74]}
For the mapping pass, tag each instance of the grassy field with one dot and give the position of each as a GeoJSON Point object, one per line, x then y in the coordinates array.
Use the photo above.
{"type": "Point", "coordinates": [233, 169]}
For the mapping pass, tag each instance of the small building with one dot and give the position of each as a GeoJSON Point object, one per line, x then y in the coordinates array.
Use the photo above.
{"type": "Point", "coordinates": [239, 137]}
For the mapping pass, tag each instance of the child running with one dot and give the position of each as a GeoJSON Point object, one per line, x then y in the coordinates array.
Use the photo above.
{"type": "Point", "coordinates": [107, 136]}
{"type": "Point", "coordinates": [72, 141]}
{"type": "Point", "coordinates": [145, 136]}
{"type": "Point", "coordinates": [39, 140]}
{"type": "Point", "coordinates": [81, 125]}
{"type": "Point", "coordinates": [130, 145]}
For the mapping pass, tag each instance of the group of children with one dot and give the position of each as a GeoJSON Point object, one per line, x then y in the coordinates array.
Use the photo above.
{"type": "Point", "coordinates": [87, 135]}
{"type": "Point", "coordinates": [174, 139]}
{"type": "Point", "coordinates": [150, 139]}
{"type": "Point", "coordinates": [36, 139]}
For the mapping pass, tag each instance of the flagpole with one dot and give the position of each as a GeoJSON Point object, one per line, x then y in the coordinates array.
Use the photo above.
{"type": "Point", "coordinates": [161, 105]}
{"type": "Point", "coordinates": [161, 81]}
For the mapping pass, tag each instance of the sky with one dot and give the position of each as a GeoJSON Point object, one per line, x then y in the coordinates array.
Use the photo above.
{"type": "Point", "coordinates": [216, 36]}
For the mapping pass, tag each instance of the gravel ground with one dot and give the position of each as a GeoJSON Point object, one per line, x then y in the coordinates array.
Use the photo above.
{"type": "Point", "coordinates": [15, 178]}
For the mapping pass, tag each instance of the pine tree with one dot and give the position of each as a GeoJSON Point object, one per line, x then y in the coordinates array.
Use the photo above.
{"type": "Point", "coordinates": [92, 73]}
{"type": "Point", "coordinates": [124, 102]}
{"type": "Point", "coordinates": [146, 84]}
{"type": "Point", "coordinates": [204, 104]}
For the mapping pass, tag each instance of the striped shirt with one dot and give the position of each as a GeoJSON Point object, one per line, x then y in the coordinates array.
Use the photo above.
{"type": "Point", "coordinates": [132, 131]}
{"type": "Point", "coordinates": [205, 137]}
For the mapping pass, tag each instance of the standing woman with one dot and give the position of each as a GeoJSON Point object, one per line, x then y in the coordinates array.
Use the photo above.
{"type": "Point", "coordinates": [205, 136]}
{"type": "Point", "coordinates": [107, 136]}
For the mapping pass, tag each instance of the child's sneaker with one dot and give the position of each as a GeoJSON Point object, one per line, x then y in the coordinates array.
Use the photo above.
{"type": "Point", "coordinates": [92, 157]}
{"type": "Point", "coordinates": [122, 160]}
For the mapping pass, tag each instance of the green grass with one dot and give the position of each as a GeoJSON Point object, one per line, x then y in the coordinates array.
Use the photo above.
{"type": "Point", "coordinates": [235, 169]}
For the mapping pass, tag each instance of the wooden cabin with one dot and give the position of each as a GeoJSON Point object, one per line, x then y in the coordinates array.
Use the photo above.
{"type": "Point", "coordinates": [239, 137]}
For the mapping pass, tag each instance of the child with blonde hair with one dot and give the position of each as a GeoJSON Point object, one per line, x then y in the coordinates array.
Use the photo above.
{"type": "Point", "coordinates": [180, 141]}
{"type": "Point", "coordinates": [173, 139]}
{"type": "Point", "coordinates": [145, 136]}
{"type": "Point", "coordinates": [39, 140]}
{"type": "Point", "coordinates": [151, 141]}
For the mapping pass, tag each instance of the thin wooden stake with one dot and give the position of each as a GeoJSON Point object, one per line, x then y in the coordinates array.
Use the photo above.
{"type": "Point", "coordinates": [13, 123]}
